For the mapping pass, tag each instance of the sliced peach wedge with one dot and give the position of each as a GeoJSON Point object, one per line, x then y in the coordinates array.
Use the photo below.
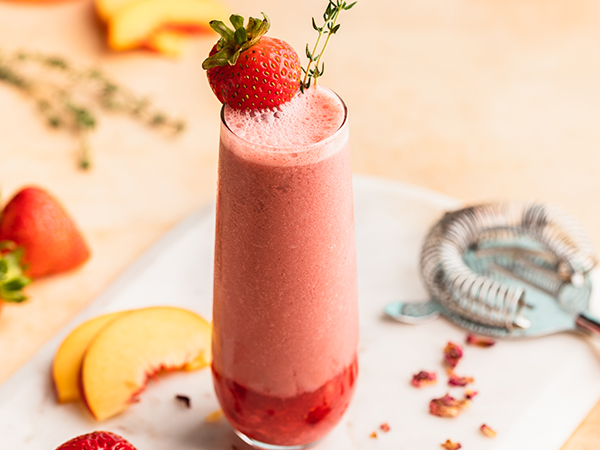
{"type": "Point", "coordinates": [119, 360]}
{"type": "Point", "coordinates": [67, 361]}
{"type": "Point", "coordinates": [131, 24]}
{"type": "Point", "coordinates": [107, 360]}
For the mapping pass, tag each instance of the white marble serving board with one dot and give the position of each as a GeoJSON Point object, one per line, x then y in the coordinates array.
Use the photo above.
{"type": "Point", "coordinates": [533, 392]}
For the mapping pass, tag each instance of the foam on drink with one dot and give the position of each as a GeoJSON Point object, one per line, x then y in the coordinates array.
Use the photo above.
{"type": "Point", "coordinates": [291, 128]}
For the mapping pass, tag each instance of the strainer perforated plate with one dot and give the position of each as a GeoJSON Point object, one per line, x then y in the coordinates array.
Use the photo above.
{"type": "Point", "coordinates": [506, 270]}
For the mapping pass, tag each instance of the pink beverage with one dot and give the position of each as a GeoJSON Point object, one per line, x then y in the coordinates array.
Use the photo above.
{"type": "Point", "coordinates": [285, 312]}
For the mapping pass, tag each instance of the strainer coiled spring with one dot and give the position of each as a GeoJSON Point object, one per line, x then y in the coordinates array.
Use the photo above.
{"type": "Point", "coordinates": [465, 255]}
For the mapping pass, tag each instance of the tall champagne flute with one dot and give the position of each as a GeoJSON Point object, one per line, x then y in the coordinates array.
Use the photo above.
{"type": "Point", "coordinates": [285, 312]}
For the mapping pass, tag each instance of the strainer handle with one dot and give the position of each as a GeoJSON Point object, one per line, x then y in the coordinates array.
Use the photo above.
{"type": "Point", "coordinates": [589, 323]}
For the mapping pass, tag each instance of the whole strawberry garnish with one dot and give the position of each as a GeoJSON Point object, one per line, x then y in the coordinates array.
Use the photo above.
{"type": "Point", "coordinates": [247, 70]}
{"type": "Point", "coordinates": [36, 222]}
{"type": "Point", "coordinates": [98, 440]}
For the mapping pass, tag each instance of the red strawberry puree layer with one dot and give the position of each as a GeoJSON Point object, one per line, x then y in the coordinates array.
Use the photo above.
{"type": "Point", "coordinates": [285, 296]}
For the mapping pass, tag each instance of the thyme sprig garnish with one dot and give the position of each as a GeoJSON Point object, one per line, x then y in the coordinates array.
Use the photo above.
{"type": "Point", "coordinates": [315, 67]}
{"type": "Point", "coordinates": [68, 96]}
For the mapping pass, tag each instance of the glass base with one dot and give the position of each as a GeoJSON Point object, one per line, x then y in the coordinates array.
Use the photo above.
{"type": "Point", "coordinates": [262, 446]}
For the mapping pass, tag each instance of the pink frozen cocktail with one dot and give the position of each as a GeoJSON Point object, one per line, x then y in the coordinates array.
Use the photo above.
{"type": "Point", "coordinates": [285, 313]}
{"type": "Point", "coordinates": [285, 299]}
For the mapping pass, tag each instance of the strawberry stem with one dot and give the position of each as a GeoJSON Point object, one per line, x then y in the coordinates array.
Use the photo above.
{"type": "Point", "coordinates": [330, 27]}
{"type": "Point", "coordinates": [233, 42]}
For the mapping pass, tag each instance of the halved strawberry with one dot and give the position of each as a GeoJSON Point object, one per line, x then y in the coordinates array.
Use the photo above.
{"type": "Point", "coordinates": [98, 440]}
{"type": "Point", "coordinates": [247, 70]}
{"type": "Point", "coordinates": [36, 222]}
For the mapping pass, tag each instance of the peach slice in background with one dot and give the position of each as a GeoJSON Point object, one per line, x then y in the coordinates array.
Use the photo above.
{"type": "Point", "coordinates": [121, 358]}
{"type": "Point", "coordinates": [67, 361]}
{"type": "Point", "coordinates": [132, 24]}
{"type": "Point", "coordinates": [107, 8]}
{"type": "Point", "coordinates": [168, 42]}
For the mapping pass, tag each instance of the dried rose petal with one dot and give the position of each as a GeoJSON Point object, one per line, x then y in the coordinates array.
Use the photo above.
{"type": "Point", "coordinates": [214, 416]}
{"type": "Point", "coordinates": [384, 427]}
{"type": "Point", "coordinates": [488, 431]}
{"type": "Point", "coordinates": [184, 399]}
{"type": "Point", "coordinates": [480, 341]}
{"type": "Point", "coordinates": [449, 445]}
{"type": "Point", "coordinates": [373, 435]}
{"type": "Point", "coordinates": [424, 378]}
{"type": "Point", "coordinates": [452, 354]}
{"type": "Point", "coordinates": [446, 406]}
{"type": "Point", "coordinates": [455, 380]}
{"type": "Point", "coordinates": [465, 403]}
{"type": "Point", "coordinates": [469, 394]}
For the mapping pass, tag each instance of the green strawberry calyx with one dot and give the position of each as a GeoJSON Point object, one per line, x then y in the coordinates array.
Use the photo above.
{"type": "Point", "coordinates": [12, 277]}
{"type": "Point", "coordinates": [233, 42]}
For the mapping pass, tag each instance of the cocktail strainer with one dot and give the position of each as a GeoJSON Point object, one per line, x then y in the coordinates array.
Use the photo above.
{"type": "Point", "coordinates": [506, 270]}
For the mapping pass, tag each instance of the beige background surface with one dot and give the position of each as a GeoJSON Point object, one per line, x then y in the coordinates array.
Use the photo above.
{"type": "Point", "coordinates": [476, 99]}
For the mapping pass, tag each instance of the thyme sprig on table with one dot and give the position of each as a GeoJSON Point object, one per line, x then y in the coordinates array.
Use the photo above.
{"type": "Point", "coordinates": [68, 96]}
{"type": "Point", "coordinates": [328, 29]}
